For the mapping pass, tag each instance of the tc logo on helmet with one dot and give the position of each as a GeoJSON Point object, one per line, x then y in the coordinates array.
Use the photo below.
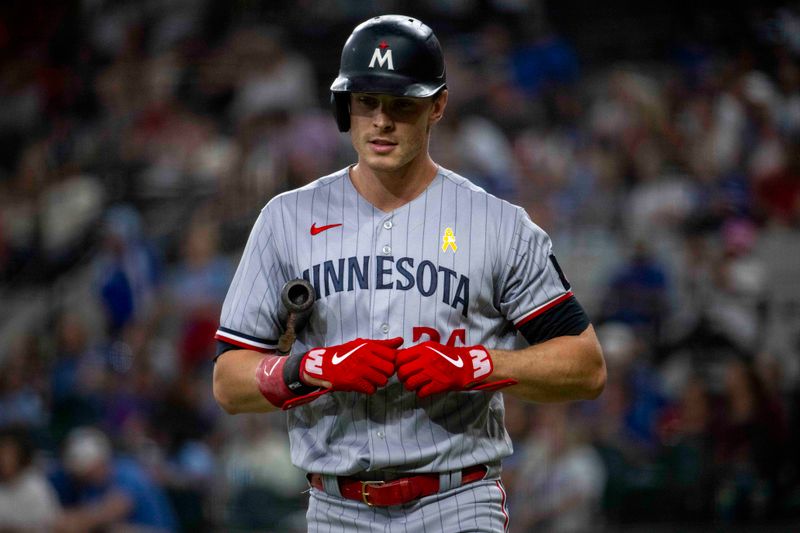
{"type": "Point", "coordinates": [382, 58]}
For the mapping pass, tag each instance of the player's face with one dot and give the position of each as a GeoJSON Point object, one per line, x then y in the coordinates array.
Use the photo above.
{"type": "Point", "coordinates": [390, 132]}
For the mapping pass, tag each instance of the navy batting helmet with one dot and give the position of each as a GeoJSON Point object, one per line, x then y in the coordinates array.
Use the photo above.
{"type": "Point", "coordinates": [390, 54]}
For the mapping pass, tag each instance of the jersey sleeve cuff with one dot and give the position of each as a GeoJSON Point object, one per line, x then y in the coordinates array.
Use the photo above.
{"type": "Point", "coordinates": [530, 315]}
{"type": "Point", "coordinates": [560, 317]}
{"type": "Point", "coordinates": [247, 342]}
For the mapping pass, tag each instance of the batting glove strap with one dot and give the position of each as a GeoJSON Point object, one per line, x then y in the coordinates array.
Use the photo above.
{"type": "Point", "coordinates": [291, 376]}
{"type": "Point", "coordinates": [274, 387]}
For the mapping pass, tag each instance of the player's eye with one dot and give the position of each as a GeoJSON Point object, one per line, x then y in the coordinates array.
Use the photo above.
{"type": "Point", "coordinates": [404, 106]}
{"type": "Point", "coordinates": [367, 101]}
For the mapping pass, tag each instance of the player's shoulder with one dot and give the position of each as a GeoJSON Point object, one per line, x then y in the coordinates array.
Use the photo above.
{"type": "Point", "coordinates": [293, 194]}
{"type": "Point", "coordinates": [498, 206]}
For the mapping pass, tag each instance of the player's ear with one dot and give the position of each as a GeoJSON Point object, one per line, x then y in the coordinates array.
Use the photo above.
{"type": "Point", "coordinates": [439, 103]}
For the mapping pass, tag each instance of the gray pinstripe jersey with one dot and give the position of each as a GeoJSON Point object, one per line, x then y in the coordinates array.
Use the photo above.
{"type": "Point", "coordinates": [456, 265]}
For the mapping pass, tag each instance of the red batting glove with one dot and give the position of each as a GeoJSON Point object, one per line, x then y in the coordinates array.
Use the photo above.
{"type": "Point", "coordinates": [431, 368]}
{"type": "Point", "coordinates": [361, 365]}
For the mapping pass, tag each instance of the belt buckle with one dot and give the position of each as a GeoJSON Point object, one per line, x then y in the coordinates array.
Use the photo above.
{"type": "Point", "coordinates": [364, 485]}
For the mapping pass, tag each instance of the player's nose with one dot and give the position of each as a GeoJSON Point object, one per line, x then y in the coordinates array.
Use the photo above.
{"type": "Point", "coordinates": [381, 118]}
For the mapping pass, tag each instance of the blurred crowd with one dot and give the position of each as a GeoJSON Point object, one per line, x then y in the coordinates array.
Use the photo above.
{"type": "Point", "coordinates": [138, 141]}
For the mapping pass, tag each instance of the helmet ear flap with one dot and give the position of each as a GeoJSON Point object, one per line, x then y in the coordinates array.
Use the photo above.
{"type": "Point", "coordinates": [340, 102]}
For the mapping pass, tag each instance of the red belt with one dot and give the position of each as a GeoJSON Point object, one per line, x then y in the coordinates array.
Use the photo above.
{"type": "Point", "coordinates": [396, 492]}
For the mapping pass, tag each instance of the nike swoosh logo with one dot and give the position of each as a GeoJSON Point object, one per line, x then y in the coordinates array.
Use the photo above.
{"type": "Point", "coordinates": [317, 230]}
{"type": "Point", "coordinates": [336, 359]}
{"type": "Point", "coordinates": [272, 369]}
{"type": "Point", "coordinates": [458, 363]}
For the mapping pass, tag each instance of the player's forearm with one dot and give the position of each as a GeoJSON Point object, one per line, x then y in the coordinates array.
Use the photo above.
{"type": "Point", "coordinates": [235, 387]}
{"type": "Point", "coordinates": [561, 369]}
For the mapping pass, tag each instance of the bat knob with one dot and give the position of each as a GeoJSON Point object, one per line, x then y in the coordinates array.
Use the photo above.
{"type": "Point", "coordinates": [297, 296]}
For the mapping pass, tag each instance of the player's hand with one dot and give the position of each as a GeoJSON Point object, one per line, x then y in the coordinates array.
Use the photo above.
{"type": "Point", "coordinates": [431, 368]}
{"type": "Point", "coordinates": [361, 365]}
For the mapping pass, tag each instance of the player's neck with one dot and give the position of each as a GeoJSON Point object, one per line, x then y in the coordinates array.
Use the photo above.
{"type": "Point", "coordinates": [390, 190]}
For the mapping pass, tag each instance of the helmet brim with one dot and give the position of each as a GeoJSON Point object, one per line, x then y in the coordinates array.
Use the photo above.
{"type": "Point", "coordinates": [385, 84]}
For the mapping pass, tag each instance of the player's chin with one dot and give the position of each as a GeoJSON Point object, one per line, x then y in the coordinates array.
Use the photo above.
{"type": "Point", "coordinates": [385, 163]}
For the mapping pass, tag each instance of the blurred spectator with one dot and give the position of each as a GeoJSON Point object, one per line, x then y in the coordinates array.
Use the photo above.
{"type": "Point", "coordinates": [660, 201]}
{"type": "Point", "coordinates": [777, 248]}
{"type": "Point", "coordinates": [686, 430]}
{"type": "Point", "coordinates": [19, 212]}
{"type": "Point", "coordinates": [264, 489]}
{"type": "Point", "coordinates": [27, 501]}
{"type": "Point", "coordinates": [479, 147]}
{"type": "Point", "coordinates": [182, 428]}
{"type": "Point", "coordinates": [638, 294]}
{"type": "Point", "coordinates": [788, 113]}
{"type": "Point", "coordinates": [626, 425]}
{"type": "Point", "coordinates": [22, 96]}
{"type": "Point", "coordinates": [312, 145]}
{"type": "Point", "coordinates": [126, 269]}
{"type": "Point", "coordinates": [51, 204]}
{"type": "Point", "coordinates": [173, 149]}
{"type": "Point", "coordinates": [723, 295]}
{"type": "Point", "coordinates": [778, 192]}
{"type": "Point", "coordinates": [750, 447]}
{"type": "Point", "coordinates": [736, 302]}
{"type": "Point", "coordinates": [71, 207]}
{"type": "Point", "coordinates": [561, 478]}
{"type": "Point", "coordinates": [197, 284]}
{"type": "Point", "coordinates": [78, 377]}
{"type": "Point", "coordinates": [543, 61]}
{"type": "Point", "coordinates": [132, 386]}
{"type": "Point", "coordinates": [22, 401]}
{"type": "Point", "coordinates": [641, 385]}
{"type": "Point", "coordinates": [99, 490]}
{"type": "Point", "coordinates": [269, 76]}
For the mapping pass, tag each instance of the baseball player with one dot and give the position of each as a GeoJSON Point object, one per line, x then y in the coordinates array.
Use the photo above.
{"type": "Point", "coordinates": [431, 295]}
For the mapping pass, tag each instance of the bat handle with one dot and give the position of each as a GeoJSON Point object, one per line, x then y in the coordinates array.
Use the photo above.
{"type": "Point", "coordinates": [297, 297]}
{"type": "Point", "coordinates": [288, 337]}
